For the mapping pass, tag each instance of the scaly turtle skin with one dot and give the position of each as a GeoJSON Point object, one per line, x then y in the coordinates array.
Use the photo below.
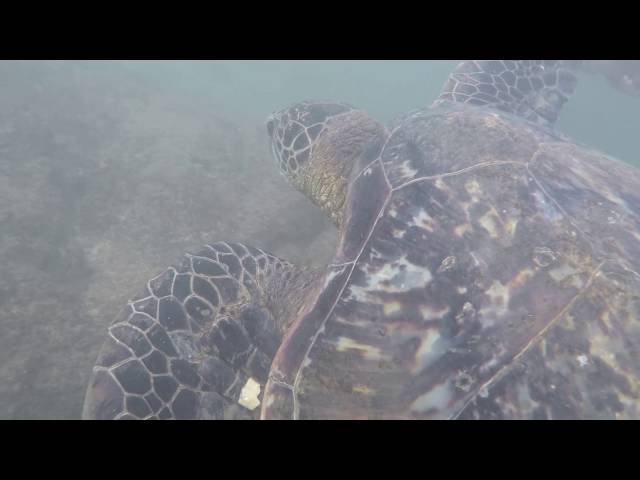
{"type": "Point", "coordinates": [488, 267]}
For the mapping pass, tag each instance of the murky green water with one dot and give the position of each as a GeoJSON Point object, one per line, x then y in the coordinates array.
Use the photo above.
{"type": "Point", "coordinates": [596, 115]}
{"type": "Point", "coordinates": [109, 170]}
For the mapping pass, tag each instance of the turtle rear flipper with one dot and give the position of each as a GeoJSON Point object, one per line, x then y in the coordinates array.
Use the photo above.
{"type": "Point", "coordinates": [198, 343]}
{"type": "Point", "coordinates": [535, 90]}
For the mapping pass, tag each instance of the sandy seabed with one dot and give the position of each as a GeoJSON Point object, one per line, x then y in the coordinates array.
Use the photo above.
{"type": "Point", "coordinates": [104, 182]}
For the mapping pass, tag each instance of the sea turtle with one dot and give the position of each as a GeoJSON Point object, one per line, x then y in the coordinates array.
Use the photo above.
{"type": "Point", "coordinates": [487, 267]}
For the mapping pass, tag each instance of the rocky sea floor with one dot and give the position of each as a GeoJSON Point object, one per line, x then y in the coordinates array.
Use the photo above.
{"type": "Point", "coordinates": [104, 182]}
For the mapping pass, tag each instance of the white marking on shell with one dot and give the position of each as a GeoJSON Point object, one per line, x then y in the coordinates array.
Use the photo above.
{"type": "Point", "coordinates": [249, 395]}
{"type": "Point", "coordinates": [398, 276]}
{"type": "Point", "coordinates": [423, 220]}
{"type": "Point", "coordinates": [489, 221]}
{"type": "Point", "coordinates": [306, 362]}
{"type": "Point", "coordinates": [358, 293]}
{"type": "Point", "coordinates": [391, 308]}
{"type": "Point", "coordinates": [429, 350]}
{"type": "Point", "coordinates": [440, 184]}
{"type": "Point", "coordinates": [475, 259]}
{"type": "Point", "coordinates": [460, 230]}
{"type": "Point", "coordinates": [511, 225]}
{"type": "Point", "coordinates": [412, 276]}
{"type": "Point", "coordinates": [499, 297]}
{"type": "Point", "coordinates": [583, 360]}
{"type": "Point", "coordinates": [406, 171]}
{"type": "Point", "coordinates": [466, 314]}
{"type": "Point", "coordinates": [430, 314]}
{"type": "Point", "coordinates": [436, 399]}
{"type": "Point", "coordinates": [397, 233]}
{"type": "Point", "coordinates": [368, 351]}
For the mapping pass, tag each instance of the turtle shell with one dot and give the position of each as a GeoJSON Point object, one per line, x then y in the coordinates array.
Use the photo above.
{"type": "Point", "coordinates": [488, 268]}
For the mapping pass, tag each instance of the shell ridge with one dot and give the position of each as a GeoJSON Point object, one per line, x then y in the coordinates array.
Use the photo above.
{"type": "Point", "coordinates": [339, 295]}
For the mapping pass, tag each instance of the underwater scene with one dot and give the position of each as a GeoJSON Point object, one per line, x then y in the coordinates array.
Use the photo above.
{"type": "Point", "coordinates": [315, 239]}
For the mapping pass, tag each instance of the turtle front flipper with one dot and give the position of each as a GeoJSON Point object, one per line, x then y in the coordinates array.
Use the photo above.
{"type": "Point", "coordinates": [199, 341]}
{"type": "Point", "coordinates": [533, 89]}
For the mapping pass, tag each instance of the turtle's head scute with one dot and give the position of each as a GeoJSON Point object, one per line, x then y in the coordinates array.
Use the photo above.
{"type": "Point", "coordinates": [294, 130]}
{"type": "Point", "coordinates": [316, 145]}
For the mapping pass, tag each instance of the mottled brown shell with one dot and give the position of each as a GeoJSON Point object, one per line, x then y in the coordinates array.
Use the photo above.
{"type": "Point", "coordinates": [488, 268]}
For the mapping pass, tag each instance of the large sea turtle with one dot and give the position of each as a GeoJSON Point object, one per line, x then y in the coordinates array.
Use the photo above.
{"type": "Point", "coordinates": [488, 267]}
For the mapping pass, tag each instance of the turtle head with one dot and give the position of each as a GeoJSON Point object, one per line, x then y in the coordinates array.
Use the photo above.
{"type": "Point", "coordinates": [316, 145]}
